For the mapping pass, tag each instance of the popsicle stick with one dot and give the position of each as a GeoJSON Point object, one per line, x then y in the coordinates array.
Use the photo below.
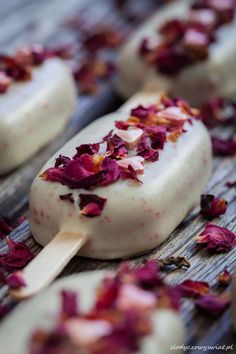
{"type": "Point", "coordinates": [49, 263]}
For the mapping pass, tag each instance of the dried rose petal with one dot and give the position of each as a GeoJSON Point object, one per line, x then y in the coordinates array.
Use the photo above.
{"type": "Point", "coordinates": [69, 303]}
{"type": "Point", "coordinates": [17, 256]}
{"type": "Point", "coordinates": [211, 304]}
{"type": "Point", "coordinates": [179, 262]}
{"type": "Point", "coordinates": [90, 149]}
{"type": "Point", "coordinates": [107, 293]}
{"type": "Point", "coordinates": [130, 137]}
{"type": "Point", "coordinates": [62, 160]}
{"type": "Point", "coordinates": [101, 39]}
{"type": "Point", "coordinates": [131, 296]}
{"type": "Point", "coordinates": [192, 288]}
{"type": "Point", "coordinates": [205, 17]}
{"type": "Point", "coordinates": [212, 207]}
{"type": "Point", "coordinates": [148, 275]}
{"type": "Point", "coordinates": [157, 136]}
{"type": "Point", "coordinates": [146, 151]}
{"type": "Point", "coordinates": [15, 280]}
{"type": "Point", "coordinates": [231, 184]}
{"type": "Point", "coordinates": [173, 30]}
{"type": "Point", "coordinates": [90, 72]}
{"type": "Point", "coordinates": [223, 147]}
{"type": "Point", "coordinates": [111, 169]}
{"type": "Point", "coordinates": [224, 278]}
{"type": "Point", "coordinates": [218, 110]}
{"type": "Point", "coordinates": [217, 238]}
{"type": "Point", "coordinates": [83, 332]}
{"type": "Point", "coordinates": [5, 227]}
{"type": "Point", "coordinates": [116, 147]}
{"type": "Point", "coordinates": [142, 112]}
{"type": "Point", "coordinates": [129, 173]}
{"type": "Point", "coordinates": [69, 197]}
{"type": "Point", "coordinates": [91, 204]}
{"type": "Point", "coordinates": [5, 82]}
{"type": "Point", "coordinates": [136, 162]}
{"type": "Point", "coordinates": [53, 174]}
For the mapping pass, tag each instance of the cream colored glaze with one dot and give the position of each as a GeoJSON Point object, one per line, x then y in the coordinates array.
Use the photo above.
{"type": "Point", "coordinates": [34, 112]}
{"type": "Point", "coordinates": [196, 83]}
{"type": "Point", "coordinates": [136, 217]}
{"type": "Point", "coordinates": [41, 311]}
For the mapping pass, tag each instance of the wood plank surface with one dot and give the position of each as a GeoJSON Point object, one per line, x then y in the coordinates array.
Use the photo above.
{"type": "Point", "coordinates": [26, 21]}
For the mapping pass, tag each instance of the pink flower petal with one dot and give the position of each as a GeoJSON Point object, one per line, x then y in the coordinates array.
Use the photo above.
{"type": "Point", "coordinates": [172, 113]}
{"type": "Point", "coordinates": [91, 204]}
{"type": "Point", "coordinates": [206, 17]}
{"type": "Point", "coordinates": [15, 280]}
{"type": "Point", "coordinates": [217, 238]}
{"type": "Point", "coordinates": [137, 163]}
{"type": "Point", "coordinates": [131, 137]}
{"type": "Point", "coordinates": [130, 297]}
{"type": "Point", "coordinates": [83, 332]}
{"type": "Point", "coordinates": [195, 38]}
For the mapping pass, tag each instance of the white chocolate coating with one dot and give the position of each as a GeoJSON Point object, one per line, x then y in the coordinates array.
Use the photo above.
{"type": "Point", "coordinates": [137, 217]}
{"type": "Point", "coordinates": [32, 113]}
{"type": "Point", "coordinates": [41, 311]}
{"type": "Point", "coordinates": [196, 83]}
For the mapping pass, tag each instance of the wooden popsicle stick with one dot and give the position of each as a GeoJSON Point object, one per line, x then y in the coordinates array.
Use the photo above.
{"type": "Point", "coordinates": [44, 268]}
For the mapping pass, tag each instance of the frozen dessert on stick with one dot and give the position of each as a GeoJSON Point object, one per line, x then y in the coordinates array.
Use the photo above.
{"type": "Point", "coordinates": [133, 311]}
{"type": "Point", "coordinates": [185, 49]}
{"type": "Point", "coordinates": [119, 187]}
{"type": "Point", "coordinates": [37, 98]}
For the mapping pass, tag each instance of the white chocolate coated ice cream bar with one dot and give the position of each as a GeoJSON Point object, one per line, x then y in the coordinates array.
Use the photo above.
{"type": "Point", "coordinates": [197, 82]}
{"type": "Point", "coordinates": [42, 312]}
{"type": "Point", "coordinates": [137, 216]}
{"type": "Point", "coordinates": [34, 112]}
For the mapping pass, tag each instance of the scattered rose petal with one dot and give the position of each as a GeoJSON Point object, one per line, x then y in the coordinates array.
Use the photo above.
{"type": "Point", "coordinates": [136, 162]}
{"type": "Point", "coordinates": [90, 149]}
{"type": "Point", "coordinates": [211, 304]}
{"type": "Point", "coordinates": [179, 262]}
{"type": "Point", "coordinates": [212, 207]}
{"type": "Point", "coordinates": [130, 173]}
{"type": "Point", "coordinates": [116, 147]}
{"type": "Point", "coordinates": [131, 296]}
{"type": "Point", "coordinates": [17, 256]}
{"type": "Point", "coordinates": [217, 238]}
{"type": "Point", "coordinates": [16, 280]}
{"type": "Point", "coordinates": [107, 293]}
{"type": "Point", "coordinates": [224, 278]}
{"type": "Point", "coordinates": [185, 42]}
{"type": "Point", "coordinates": [192, 288]}
{"type": "Point", "coordinates": [231, 184]}
{"type": "Point", "coordinates": [223, 147]}
{"type": "Point", "coordinates": [146, 151]}
{"type": "Point", "coordinates": [149, 275]}
{"type": "Point", "coordinates": [130, 137]}
{"type": "Point", "coordinates": [62, 160]}
{"type": "Point", "coordinates": [102, 38]}
{"type": "Point", "coordinates": [5, 227]}
{"type": "Point", "coordinates": [5, 82]}
{"type": "Point", "coordinates": [91, 204]}
{"type": "Point", "coordinates": [83, 332]}
{"type": "Point", "coordinates": [218, 111]}
{"type": "Point", "coordinates": [69, 303]}
{"type": "Point", "coordinates": [206, 17]}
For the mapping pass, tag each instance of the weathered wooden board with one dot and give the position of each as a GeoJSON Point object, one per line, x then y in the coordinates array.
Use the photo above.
{"type": "Point", "coordinates": [24, 21]}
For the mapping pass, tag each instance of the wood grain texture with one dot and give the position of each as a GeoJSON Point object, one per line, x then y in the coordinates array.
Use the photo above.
{"type": "Point", "coordinates": [24, 21]}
